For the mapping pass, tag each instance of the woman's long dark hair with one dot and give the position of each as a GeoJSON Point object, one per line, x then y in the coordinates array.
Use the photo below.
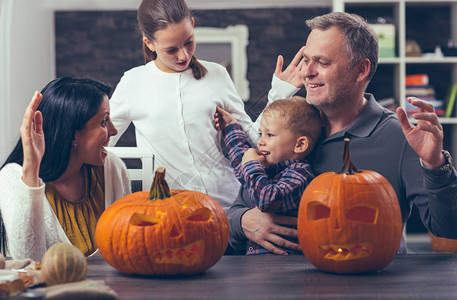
{"type": "Point", "coordinates": [66, 106]}
{"type": "Point", "coordinates": [154, 15]}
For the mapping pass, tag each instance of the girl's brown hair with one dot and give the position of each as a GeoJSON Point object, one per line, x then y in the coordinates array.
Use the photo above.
{"type": "Point", "coordinates": [154, 15]}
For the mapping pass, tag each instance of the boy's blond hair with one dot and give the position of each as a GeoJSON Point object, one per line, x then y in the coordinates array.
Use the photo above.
{"type": "Point", "coordinates": [300, 117]}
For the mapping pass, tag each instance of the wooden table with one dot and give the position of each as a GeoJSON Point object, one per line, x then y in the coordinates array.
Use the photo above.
{"type": "Point", "coordinates": [412, 276]}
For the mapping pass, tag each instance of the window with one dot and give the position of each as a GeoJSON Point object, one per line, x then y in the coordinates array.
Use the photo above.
{"type": "Point", "coordinates": [226, 46]}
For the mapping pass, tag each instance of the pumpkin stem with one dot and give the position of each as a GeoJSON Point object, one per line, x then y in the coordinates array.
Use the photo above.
{"type": "Point", "coordinates": [348, 166]}
{"type": "Point", "coordinates": [159, 187]}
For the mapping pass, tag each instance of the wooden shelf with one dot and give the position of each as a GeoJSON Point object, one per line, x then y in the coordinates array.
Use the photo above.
{"type": "Point", "coordinates": [441, 120]}
{"type": "Point", "coordinates": [431, 60]}
{"type": "Point", "coordinates": [393, 60]}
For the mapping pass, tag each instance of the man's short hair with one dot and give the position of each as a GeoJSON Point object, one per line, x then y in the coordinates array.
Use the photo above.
{"type": "Point", "coordinates": [360, 38]}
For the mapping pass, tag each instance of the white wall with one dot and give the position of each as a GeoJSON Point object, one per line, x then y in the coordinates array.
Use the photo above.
{"type": "Point", "coordinates": [27, 58]}
{"type": "Point", "coordinates": [27, 53]}
{"type": "Point", "coordinates": [4, 84]}
{"type": "Point", "coordinates": [193, 4]}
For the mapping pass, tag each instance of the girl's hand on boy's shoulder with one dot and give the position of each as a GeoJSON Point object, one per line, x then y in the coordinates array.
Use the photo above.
{"type": "Point", "coordinates": [222, 118]}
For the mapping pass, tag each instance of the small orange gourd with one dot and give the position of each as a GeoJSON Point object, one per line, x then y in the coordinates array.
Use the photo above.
{"type": "Point", "coordinates": [63, 263]}
{"type": "Point", "coordinates": [349, 222]}
{"type": "Point", "coordinates": [163, 231]}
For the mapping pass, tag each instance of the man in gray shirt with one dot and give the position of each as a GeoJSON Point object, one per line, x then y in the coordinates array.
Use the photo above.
{"type": "Point", "coordinates": [339, 60]}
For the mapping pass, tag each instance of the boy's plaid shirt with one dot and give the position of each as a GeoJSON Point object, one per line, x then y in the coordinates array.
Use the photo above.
{"type": "Point", "coordinates": [278, 187]}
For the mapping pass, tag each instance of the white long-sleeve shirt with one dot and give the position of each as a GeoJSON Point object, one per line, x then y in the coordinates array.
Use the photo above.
{"type": "Point", "coordinates": [173, 117]}
{"type": "Point", "coordinates": [31, 224]}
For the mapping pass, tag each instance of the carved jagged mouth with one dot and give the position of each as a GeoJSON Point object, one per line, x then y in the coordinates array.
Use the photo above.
{"type": "Point", "coordinates": [346, 252]}
{"type": "Point", "coordinates": [188, 255]}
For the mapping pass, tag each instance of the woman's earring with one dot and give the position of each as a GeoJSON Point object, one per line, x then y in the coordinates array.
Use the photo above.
{"type": "Point", "coordinates": [74, 144]}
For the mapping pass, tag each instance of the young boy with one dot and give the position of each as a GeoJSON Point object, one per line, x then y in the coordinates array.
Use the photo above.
{"type": "Point", "coordinates": [276, 173]}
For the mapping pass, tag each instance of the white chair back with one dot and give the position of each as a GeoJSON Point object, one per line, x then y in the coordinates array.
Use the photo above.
{"type": "Point", "coordinates": [146, 173]}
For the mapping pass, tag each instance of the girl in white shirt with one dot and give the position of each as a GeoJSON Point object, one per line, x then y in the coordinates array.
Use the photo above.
{"type": "Point", "coordinates": [171, 101]}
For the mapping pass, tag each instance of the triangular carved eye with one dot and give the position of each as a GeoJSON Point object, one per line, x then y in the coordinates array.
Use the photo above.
{"type": "Point", "coordinates": [144, 220]}
{"type": "Point", "coordinates": [201, 215]}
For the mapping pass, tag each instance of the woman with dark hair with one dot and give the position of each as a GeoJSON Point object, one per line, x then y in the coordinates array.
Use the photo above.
{"type": "Point", "coordinates": [171, 101]}
{"type": "Point", "coordinates": [59, 178]}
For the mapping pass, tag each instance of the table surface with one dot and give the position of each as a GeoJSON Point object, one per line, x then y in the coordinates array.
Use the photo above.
{"type": "Point", "coordinates": [411, 276]}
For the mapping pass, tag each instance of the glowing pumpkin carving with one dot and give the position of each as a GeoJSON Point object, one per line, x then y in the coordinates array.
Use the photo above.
{"type": "Point", "coordinates": [163, 232]}
{"type": "Point", "coordinates": [349, 222]}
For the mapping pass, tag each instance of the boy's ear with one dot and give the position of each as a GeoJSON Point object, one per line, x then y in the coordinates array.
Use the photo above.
{"type": "Point", "coordinates": [302, 144]}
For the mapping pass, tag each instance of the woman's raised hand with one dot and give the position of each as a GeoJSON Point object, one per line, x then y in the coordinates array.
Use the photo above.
{"type": "Point", "coordinates": [32, 142]}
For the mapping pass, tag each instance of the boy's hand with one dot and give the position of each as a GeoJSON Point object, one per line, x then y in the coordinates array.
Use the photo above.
{"type": "Point", "coordinates": [253, 154]}
{"type": "Point", "coordinates": [222, 118]}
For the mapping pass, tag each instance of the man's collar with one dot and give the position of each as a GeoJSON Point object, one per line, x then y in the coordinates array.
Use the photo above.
{"type": "Point", "coordinates": [366, 121]}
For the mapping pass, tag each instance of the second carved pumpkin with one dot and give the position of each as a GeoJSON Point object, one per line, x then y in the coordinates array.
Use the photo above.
{"type": "Point", "coordinates": [349, 222]}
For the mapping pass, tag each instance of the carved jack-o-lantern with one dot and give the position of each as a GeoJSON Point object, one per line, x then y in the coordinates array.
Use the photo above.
{"type": "Point", "coordinates": [163, 232]}
{"type": "Point", "coordinates": [349, 222]}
